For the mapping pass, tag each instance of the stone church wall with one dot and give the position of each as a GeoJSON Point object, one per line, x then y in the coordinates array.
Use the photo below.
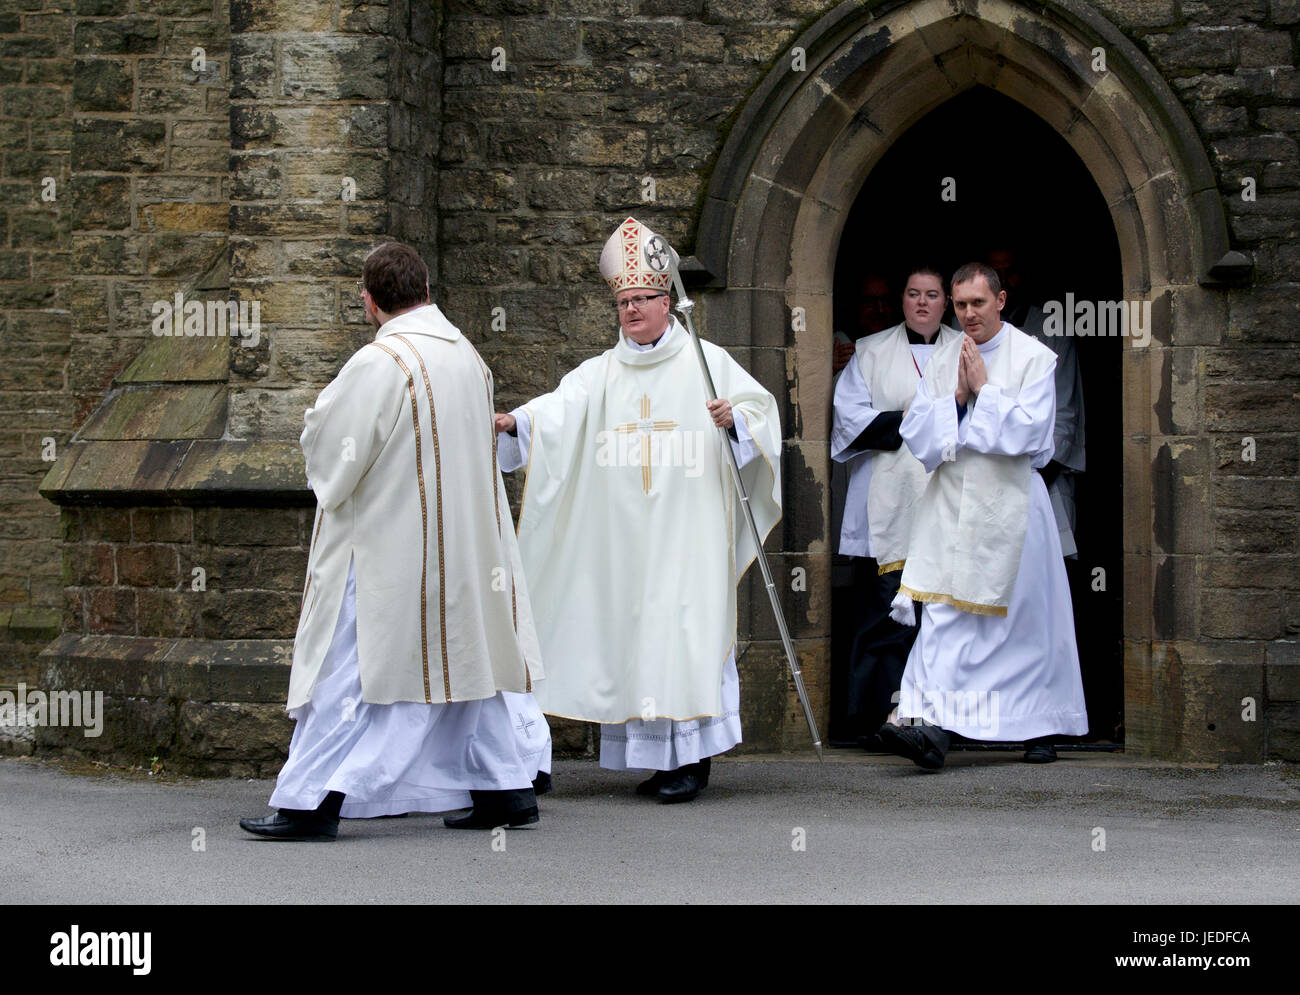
{"type": "Point", "coordinates": [505, 139]}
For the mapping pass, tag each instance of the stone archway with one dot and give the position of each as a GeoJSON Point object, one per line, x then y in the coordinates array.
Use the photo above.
{"type": "Point", "coordinates": [770, 229]}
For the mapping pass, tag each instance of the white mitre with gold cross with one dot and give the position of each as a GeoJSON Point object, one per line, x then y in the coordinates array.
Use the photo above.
{"type": "Point", "coordinates": [623, 260]}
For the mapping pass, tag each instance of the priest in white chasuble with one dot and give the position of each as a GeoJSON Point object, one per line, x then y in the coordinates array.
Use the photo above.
{"type": "Point", "coordinates": [632, 535]}
{"type": "Point", "coordinates": [995, 657]}
{"type": "Point", "coordinates": [415, 653]}
{"type": "Point", "coordinates": [885, 480]}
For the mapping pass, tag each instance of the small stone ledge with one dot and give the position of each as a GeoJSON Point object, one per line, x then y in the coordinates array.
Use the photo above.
{"type": "Point", "coordinates": [29, 625]}
{"type": "Point", "coordinates": [205, 707]}
{"type": "Point", "coordinates": [200, 670]}
{"type": "Point", "coordinates": [194, 472]}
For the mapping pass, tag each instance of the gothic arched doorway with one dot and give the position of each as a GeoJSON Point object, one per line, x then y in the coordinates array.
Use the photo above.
{"type": "Point", "coordinates": [768, 238]}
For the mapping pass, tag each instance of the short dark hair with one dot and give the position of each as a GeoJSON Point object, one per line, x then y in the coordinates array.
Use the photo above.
{"type": "Point", "coordinates": [925, 270]}
{"type": "Point", "coordinates": [971, 270]}
{"type": "Point", "coordinates": [395, 277]}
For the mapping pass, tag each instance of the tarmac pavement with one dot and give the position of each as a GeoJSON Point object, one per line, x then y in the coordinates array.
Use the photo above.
{"type": "Point", "coordinates": [1088, 829]}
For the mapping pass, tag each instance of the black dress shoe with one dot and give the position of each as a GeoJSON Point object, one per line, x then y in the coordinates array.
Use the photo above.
{"type": "Point", "coordinates": [1040, 751]}
{"type": "Point", "coordinates": [287, 825]}
{"type": "Point", "coordinates": [872, 743]}
{"type": "Point", "coordinates": [652, 784]}
{"type": "Point", "coordinates": [913, 744]}
{"type": "Point", "coordinates": [488, 819]}
{"type": "Point", "coordinates": [682, 784]}
{"type": "Point", "coordinates": [497, 808]}
{"type": "Point", "coordinates": [542, 783]}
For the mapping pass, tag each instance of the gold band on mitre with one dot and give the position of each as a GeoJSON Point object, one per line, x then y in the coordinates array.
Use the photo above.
{"type": "Point", "coordinates": [623, 260]}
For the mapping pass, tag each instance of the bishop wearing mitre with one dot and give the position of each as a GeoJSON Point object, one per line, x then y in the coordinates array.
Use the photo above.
{"type": "Point", "coordinates": [631, 533]}
{"type": "Point", "coordinates": [415, 653]}
{"type": "Point", "coordinates": [995, 657]}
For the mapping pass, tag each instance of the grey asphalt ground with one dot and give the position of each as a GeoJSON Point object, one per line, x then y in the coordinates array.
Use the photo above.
{"type": "Point", "coordinates": [986, 829]}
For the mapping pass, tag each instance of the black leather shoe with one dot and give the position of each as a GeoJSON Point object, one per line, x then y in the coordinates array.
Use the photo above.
{"type": "Point", "coordinates": [542, 783]}
{"type": "Point", "coordinates": [652, 784]}
{"type": "Point", "coordinates": [911, 743]}
{"type": "Point", "coordinates": [486, 818]}
{"type": "Point", "coordinates": [682, 784]}
{"type": "Point", "coordinates": [871, 743]}
{"type": "Point", "coordinates": [1040, 751]}
{"type": "Point", "coordinates": [305, 827]}
{"type": "Point", "coordinates": [497, 808]}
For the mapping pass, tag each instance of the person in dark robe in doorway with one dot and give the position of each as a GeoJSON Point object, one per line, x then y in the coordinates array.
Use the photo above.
{"type": "Point", "coordinates": [874, 311]}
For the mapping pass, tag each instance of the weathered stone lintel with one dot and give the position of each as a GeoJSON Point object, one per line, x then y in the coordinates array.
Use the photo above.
{"type": "Point", "coordinates": [200, 472]}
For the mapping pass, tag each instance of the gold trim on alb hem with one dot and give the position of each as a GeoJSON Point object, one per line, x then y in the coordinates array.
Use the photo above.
{"type": "Point", "coordinates": [931, 598]}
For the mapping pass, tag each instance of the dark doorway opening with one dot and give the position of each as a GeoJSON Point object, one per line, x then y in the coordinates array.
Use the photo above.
{"type": "Point", "coordinates": [1013, 183]}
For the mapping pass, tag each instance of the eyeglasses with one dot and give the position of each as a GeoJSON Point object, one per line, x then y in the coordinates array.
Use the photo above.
{"type": "Point", "coordinates": [637, 302]}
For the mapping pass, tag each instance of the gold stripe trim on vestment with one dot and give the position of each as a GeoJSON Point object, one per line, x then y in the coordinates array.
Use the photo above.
{"type": "Point", "coordinates": [424, 521]}
{"type": "Point", "coordinates": [442, 549]}
{"type": "Point", "coordinates": [888, 568]}
{"type": "Point", "coordinates": [931, 598]}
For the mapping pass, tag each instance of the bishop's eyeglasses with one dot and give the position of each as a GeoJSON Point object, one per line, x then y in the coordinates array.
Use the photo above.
{"type": "Point", "coordinates": [637, 302]}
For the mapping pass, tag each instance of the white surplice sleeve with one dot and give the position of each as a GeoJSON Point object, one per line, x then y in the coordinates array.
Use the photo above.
{"type": "Point", "coordinates": [743, 444]}
{"type": "Point", "coordinates": [851, 414]}
{"type": "Point", "coordinates": [347, 427]}
{"type": "Point", "coordinates": [1002, 425]}
{"type": "Point", "coordinates": [512, 450]}
{"type": "Point", "coordinates": [930, 427]}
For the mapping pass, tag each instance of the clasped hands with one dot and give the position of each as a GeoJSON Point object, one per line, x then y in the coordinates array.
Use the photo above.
{"type": "Point", "coordinates": [971, 374]}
